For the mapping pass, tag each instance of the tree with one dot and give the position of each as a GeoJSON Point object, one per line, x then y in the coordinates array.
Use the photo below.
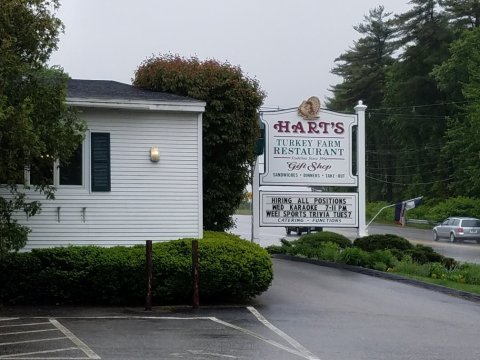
{"type": "Point", "coordinates": [230, 124]}
{"type": "Point", "coordinates": [417, 114]}
{"type": "Point", "coordinates": [34, 119]}
{"type": "Point", "coordinates": [461, 74]}
{"type": "Point", "coordinates": [363, 70]}
{"type": "Point", "coordinates": [463, 13]}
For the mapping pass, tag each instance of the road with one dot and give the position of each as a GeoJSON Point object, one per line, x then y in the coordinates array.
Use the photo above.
{"type": "Point", "coordinates": [464, 252]}
{"type": "Point", "coordinates": [339, 315]}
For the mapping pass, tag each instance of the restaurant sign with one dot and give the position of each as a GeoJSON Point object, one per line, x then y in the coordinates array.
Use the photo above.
{"type": "Point", "coordinates": [308, 209]}
{"type": "Point", "coordinates": [308, 147]}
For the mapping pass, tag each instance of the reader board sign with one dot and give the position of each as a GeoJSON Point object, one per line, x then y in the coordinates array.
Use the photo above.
{"type": "Point", "coordinates": [314, 151]}
{"type": "Point", "coordinates": [308, 209]}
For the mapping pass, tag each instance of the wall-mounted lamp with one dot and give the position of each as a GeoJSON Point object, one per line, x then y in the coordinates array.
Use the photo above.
{"type": "Point", "coordinates": [154, 154]}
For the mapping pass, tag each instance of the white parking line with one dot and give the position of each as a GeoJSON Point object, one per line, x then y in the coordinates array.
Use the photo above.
{"type": "Point", "coordinates": [22, 355]}
{"type": "Point", "coordinates": [260, 337]}
{"type": "Point", "coordinates": [280, 333]}
{"type": "Point", "coordinates": [81, 345]}
{"type": "Point", "coordinates": [31, 341]}
{"type": "Point", "coordinates": [27, 332]}
{"type": "Point", "coordinates": [297, 349]}
{"type": "Point", "coordinates": [31, 324]}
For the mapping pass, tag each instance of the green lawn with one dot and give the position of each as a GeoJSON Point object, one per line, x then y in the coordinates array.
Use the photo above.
{"type": "Point", "coordinates": [474, 289]}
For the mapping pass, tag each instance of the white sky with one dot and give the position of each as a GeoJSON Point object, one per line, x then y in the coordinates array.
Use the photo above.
{"type": "Point", "coordinates": [289, 46]}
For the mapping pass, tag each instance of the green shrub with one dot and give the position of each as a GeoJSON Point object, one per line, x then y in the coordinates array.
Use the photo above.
{"type": "Point", "coordinates": [313, 245]}
{"type": "Point", "coordinates": [409, 267]}
{"type": "Point", "coordinates": [315, 238]}
{"type": "Point", "coordinates": [472, 273]}
{"type": "Point", "coordinates": [382, 242]}
{"type": "Point", "coordinates": [329, 251]}
{"type": "Point", "coordinates": [425, 254]}
{"type": "Point", "coordinates": [276, 249]}
{"type": "Point", "coordinates": [458, 206]}
{"type": "Point", "coordinates": [230, 269]}
{"type": "Point", "coordinates": [382, 260]}
{"type": "Point", "coordinates": [354, 256]}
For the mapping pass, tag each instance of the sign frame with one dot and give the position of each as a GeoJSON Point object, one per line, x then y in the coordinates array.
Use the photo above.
{"type": "Point", "coordinates": [323, 157]}
{"type": "Point", "coordinates": [340, 204]}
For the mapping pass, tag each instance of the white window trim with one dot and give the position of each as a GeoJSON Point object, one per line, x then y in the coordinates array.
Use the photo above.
{"type": "Point", "coordinates": [56, 170]}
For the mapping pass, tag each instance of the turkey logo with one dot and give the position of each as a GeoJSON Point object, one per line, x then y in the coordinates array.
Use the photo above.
{"type": "Point", "coordinates": [309, 109]}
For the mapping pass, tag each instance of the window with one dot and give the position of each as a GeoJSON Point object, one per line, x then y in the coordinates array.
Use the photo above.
{"type": "Point", "coordinates": [71, 173]}
{"type": "Point", "coordinates": [47, 171]}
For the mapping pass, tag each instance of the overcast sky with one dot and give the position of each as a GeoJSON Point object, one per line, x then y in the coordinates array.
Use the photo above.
{"type": "Point", "coordinates": [289, 46]}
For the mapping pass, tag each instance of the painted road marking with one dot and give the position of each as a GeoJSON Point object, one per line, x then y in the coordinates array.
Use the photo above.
{"type": "Point", "coordinates": [260, 337]}
{"type": "Point", "coordinates": [31, 341]}
{"type": "Point", "coordinates": [297, 349]}
{"type": "Point", "coordinates": [280, 333]}
{"type": "Point", "coordinates": [31, 324]}
{"type": "Point", "coordinates": [81, 345]}
{"type": "Point", "coordinates": [27, 332]}
{"type": "Point", "coordinates": [22, 355]}
{"type": "Point", "coordinates": [37, 355]}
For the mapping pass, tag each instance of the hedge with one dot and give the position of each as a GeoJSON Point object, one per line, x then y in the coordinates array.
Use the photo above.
{"type": "Point", "coordinates": [231, 269]}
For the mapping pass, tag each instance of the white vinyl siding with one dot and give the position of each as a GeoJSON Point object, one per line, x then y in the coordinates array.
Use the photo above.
{"type": "Point", "coordinates": [147, 201]}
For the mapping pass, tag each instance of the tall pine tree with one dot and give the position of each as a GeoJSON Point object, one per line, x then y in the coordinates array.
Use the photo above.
{"type": "Point", "coordinates": [417, 114]}
{"type": "Point", "coordinates": [363, 70]}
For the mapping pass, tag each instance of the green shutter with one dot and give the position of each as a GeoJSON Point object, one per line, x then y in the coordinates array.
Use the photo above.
{"type": "Point", "coordinates": [100, 162]}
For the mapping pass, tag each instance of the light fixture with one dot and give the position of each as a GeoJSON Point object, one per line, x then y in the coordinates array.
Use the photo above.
{"type": "Point", "coordinates": [154, 154]}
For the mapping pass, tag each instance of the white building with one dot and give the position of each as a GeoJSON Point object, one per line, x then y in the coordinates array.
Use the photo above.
{"type": "Point", "coordinates": [115, 192]}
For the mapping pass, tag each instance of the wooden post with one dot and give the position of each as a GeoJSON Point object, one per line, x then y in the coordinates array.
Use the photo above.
{"type": "Point", "coordinates": [196, 300]}
{"type": "Point", "coordinates": [148, 255]}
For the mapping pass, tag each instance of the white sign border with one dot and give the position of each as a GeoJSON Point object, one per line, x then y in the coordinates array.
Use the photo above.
{"type": "Point", "coordinates": [266, 179]}
{"type": "Point", "coordinates": [307, 194]}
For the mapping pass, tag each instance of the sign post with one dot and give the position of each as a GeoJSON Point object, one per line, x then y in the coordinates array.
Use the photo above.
{"type": "Point", "coordinates": [362, 228]}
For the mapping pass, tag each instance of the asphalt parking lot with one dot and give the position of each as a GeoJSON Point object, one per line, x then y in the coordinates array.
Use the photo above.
{"type": "Point", "coordinates": [309, 312]}
{"type": "Point", "coordinates": [208, 333]}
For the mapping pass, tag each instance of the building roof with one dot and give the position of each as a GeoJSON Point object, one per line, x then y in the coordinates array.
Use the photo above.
{"type": "Point", "coordinates": [113, 94]}
{"type": "Point", "coordinates": [107, 89]}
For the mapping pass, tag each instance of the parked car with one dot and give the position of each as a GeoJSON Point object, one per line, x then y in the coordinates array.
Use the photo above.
{"type": "Point", "coordinates": [302, 229]}
{"type": "Point", "coordinates": [458, 229]}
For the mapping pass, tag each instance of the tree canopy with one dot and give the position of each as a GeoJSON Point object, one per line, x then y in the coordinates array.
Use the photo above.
{"type": "Point", "coordinates": [34, 119]}
{"type": "Point", "coordinates": [422, 102]}
{"type": "Point", "coordinates": [230, 124]}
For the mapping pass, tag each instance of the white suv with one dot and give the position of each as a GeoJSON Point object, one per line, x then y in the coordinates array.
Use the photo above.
{"type": "Point", "coordinates": [458, 229]}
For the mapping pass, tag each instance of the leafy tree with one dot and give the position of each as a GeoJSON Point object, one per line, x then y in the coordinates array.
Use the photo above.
{"type": "Point", "coordinates": [363, 69]}
{"type": "Point", "coordinates": [417, 114]}
{"type": "Point", "coordinates": [34, 119]}
{"type": "Point", "coordinates": [230, 124]}
{"type": "Point", "coordinates": [461, 73]}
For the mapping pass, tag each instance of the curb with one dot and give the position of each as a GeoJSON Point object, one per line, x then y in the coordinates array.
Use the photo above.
{"type": "Point", "coordinates": [383, 275]}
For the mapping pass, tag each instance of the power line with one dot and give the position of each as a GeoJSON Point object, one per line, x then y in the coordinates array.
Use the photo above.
{"type": "Point", "coordinates": [424, 105]}
{"type": "Point", "coordinates": [404, 175]}
{"type": "Point", "coordinates": [413, 116]}
{"type": "Point", "coordinates": [399, 167]}
{"type": "Point", "coordinates": [410, 184]}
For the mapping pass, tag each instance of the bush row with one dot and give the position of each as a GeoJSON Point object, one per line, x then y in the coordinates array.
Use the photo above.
{"type": "Point", "coordinates": [381, 252]}
{"type": "Point", "coordinates": [231, 269]}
